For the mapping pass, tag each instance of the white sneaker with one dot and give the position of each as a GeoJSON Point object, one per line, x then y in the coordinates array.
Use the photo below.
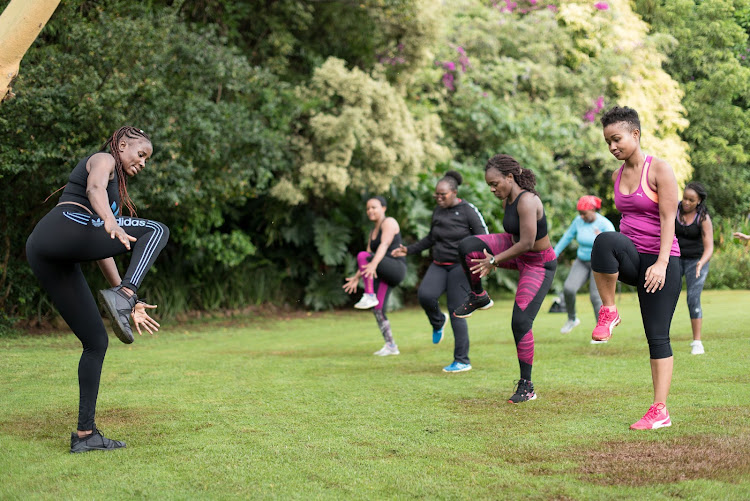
{"type": "Point", "coordinates": [697, 348]}
{"type": "Point", "coordinates": [387, 350]}
{"type": "Point", "coordinates": [368, 301]}
{"type": "Point", "coordinates": [570, 325]}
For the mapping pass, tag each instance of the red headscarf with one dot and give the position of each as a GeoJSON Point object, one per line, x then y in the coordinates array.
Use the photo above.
{"type": "Point", "coordinates": [589, 202]}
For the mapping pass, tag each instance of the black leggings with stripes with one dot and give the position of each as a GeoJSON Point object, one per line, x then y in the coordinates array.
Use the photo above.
{"type": "Point", "coordinates": [63, 239]}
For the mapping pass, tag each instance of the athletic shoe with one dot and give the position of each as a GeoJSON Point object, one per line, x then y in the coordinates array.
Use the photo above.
{"type": "Point", "coordinates": [524, 392]}
{"type": "Point", "coordinates": [437, 334]}
{"type": "Point", "coordinates": [368, 301]}
{"type": "Point", "coordinates": [608, 320]}
{"type": "Point", "coordinates": [570, 325]}
{"type": "Point", "coordinates": [457, 367]}
{"type": "Point", "coordinates": [94, 442]}
{"type": "Point", "coordinates": [387, 350]}
{"type": "Point", "coordinates": [472, 303]}
{"type": "Point", "coordinates": [656, 417]}
{"type": "Point", "coordinates": [118, 306]}
{"type": "Point", "coordinates": [603, 341]}
{"type": "Point", "coordinates": [697, 348]}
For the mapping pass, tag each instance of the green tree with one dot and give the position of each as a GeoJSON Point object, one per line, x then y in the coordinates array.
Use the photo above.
{"type": "Point", "coordinates": [710, 62]}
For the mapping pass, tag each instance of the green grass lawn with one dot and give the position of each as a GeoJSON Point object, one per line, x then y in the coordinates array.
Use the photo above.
{"type": "Point", "coordinates": [298, 408]}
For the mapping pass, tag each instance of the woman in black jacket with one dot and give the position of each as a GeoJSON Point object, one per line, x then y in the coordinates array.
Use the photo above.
{"type": "Point", "coordinates": [452, 221]}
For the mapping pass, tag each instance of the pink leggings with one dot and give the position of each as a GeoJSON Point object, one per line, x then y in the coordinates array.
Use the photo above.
{"type": "Point", "coordinates": [536, 271]}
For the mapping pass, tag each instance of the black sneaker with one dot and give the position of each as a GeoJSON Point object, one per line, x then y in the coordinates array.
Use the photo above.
{"type": "Point", "coordinates": [473, 302]}
{"type": "Point", "coordinates": [524, 392]}
{"type": "Point", "coordinates": [118, 306]}
{"type": "Point", "coordinates": [94, 442]}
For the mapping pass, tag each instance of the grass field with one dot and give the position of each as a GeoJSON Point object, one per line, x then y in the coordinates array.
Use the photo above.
{"type": "Point", "coordinates": [298, 408]}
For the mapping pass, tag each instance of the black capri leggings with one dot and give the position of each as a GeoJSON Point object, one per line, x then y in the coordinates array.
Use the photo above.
{"type": "Point", "coordinates": [613, 253]}
{"type": "Point", "coordinates": [65, 237]}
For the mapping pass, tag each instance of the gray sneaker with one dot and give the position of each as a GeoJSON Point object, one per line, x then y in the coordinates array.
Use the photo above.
{"type": "Point", "coordinates": [118, 306]}
{"type": "Point", "coordinates": [570, 325]}
{"type": "Point", "coordinates": [94, 442]}
{"type": "Point", "coordinates": [387, 350]}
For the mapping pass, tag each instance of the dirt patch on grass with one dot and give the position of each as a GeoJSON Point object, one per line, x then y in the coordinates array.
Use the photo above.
{"type": "Point", "coordinates": [644, 462]}
{"type": "Point", "coordinates": [54, 423]}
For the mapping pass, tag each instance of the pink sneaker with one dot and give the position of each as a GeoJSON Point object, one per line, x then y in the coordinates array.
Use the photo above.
{"type": "Point", "coordinates": [656, 417]}
{"type": "Point", "coordinates": [608, 320]}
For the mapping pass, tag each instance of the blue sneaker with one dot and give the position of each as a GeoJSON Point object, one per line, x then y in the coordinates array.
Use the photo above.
{"type": "Point", "coordinates": [437, 334]}
{"type": "Point", "coordinates": [457, 367]}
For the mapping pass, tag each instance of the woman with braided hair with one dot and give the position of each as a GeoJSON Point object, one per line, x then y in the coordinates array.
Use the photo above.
{"type": "Point", "coordinates": [87, 225]}
{"type": "Point", "coordinates": [695, 234]}
{"type": "Point", "coordinates": [524, 247]}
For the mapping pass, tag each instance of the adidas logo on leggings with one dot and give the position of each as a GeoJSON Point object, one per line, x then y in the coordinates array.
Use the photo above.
{"type": "Point", "coordinates": [130, 222]}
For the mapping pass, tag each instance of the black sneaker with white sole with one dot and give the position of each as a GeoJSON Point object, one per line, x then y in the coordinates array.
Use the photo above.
{"type": "Point", "coordinates": [524, 392]}
{"type": "Point", "coordinates": [94, 442]}
{"type": "Point", "coordinates": [473, 302]}
{"type": "Point", "coordinates": [118, 306]}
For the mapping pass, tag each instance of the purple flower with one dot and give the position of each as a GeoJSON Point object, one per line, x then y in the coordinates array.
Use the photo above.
{"type": "Point", "coordinates": [448, 81]}
{"type": "Point", "coordinates": [449, 65]}
{"type": "Point", "coordinates": [601, 5]}
{"type": "Point", "coordinates": [590, 116]}
{"type": "Point", "coordinates": [599, 104]}
{"type": "Point", "coordinates": [484, 94]}
{"type": "Point", "coordinates": [553, 8]}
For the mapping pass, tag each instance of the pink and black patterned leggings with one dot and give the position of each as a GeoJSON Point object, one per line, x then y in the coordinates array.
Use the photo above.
{"type": "Point", "coordinates": [391, 271]}
{"type": "Point", "coordinates": [537, 269]}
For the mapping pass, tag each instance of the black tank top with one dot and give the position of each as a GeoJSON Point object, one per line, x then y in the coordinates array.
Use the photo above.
{"type": "Point", "coordinates": [690, 238]}
{"type": "Point", "coordinates": [75, 190]}
{"type": "Point", "coordinates": [512, 222]}
{"type": "Point", "coordinates": [375, 243]}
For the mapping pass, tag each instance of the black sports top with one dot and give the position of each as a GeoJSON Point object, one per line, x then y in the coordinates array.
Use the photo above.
{"type": "Point", "coordinates": [512, 222]}
{"type": "Point", "coordinates": [449, 226]}
{"type": "Point", "coordinates": [690, 238]}
{"type": "Point", "coordinates": [75, 190]}
{"type": "Point", "coordinates": [375, 243]}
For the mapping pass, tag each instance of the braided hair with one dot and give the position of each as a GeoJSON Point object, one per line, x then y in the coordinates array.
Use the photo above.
{"type": "Point", "coordinates": [701, 210]}
{"type": "Point", "coordinates": [453, 178]}
{"type": "Point", "coordinates": [122, 180]}
{"type": "Point", "coordinates": [506, 164]}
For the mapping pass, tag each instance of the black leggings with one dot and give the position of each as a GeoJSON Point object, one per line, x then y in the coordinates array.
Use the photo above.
{"type": "Point", "coordinates": [448, 278]}
{"type": "Point", "coordinates": [65, 237]}
{"type": "Point", "coordinates": [613, 253]}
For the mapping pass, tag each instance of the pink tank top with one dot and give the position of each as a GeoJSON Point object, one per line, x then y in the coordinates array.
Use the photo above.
{"type": "Point", "coordinates": [640, 215]}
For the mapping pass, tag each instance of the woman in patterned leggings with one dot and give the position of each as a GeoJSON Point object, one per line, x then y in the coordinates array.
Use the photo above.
{"type": "Point", "coordinates": [380, 271]}
{"type": "Point", "coordinates": [524, 247]}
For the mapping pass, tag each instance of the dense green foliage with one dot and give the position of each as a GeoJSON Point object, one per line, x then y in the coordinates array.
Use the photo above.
{"type": "Point", "coordinates": [710, 60]}
{"type": "Point", "coordinates": [272, 122]}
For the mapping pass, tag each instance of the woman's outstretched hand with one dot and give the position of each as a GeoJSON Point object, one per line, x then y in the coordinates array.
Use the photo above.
{"type": "Point", "coordinates": [483, 266]}
{"type": "Point", "coordinates": [399, 251]}
{"type": "Point", "coordinates": [350, 287]}
{"type": "Point", "coordinates": [115, 231]}
{"type": "Point", "coordinates": [142, 319]}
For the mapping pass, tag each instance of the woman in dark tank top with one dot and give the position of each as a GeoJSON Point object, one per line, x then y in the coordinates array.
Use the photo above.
{"type": "Point", "coordinates": [379, 270]}
{"type": "Point", "coordinates": [524, 247]}
{"type": "Point", "coordinates": [695, 234]}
